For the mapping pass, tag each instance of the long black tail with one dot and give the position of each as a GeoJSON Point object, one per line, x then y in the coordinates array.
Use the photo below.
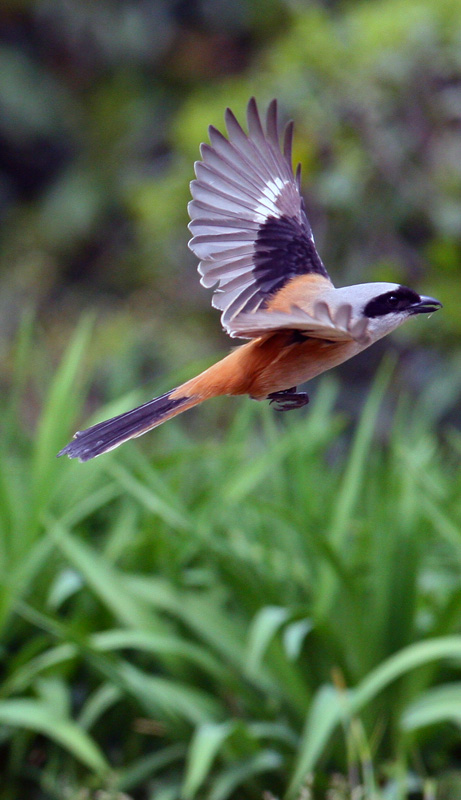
{"type": "Point", "coordinates": [109, 434]}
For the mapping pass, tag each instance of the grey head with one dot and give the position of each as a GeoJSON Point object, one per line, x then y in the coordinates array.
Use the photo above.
{"type": "Point", "coordinates": [385, 306]}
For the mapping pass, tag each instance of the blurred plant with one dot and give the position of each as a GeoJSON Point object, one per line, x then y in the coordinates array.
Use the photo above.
{"type": "Point", "coordinates": [207, 622]}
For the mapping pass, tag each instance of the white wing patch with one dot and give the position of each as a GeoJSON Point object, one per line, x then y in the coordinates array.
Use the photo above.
{"type": "Point", "coordinates": [268, 201]}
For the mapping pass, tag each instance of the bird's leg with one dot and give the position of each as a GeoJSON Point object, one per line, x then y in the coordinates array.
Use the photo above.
{"type": "Point", "coordinates": [288, 399]}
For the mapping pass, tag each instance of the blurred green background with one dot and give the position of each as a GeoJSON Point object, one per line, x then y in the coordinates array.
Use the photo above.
{"type": "Point", "coordinates": [102, 109]}
{"type": "Point", "coordinates": [239, 603]}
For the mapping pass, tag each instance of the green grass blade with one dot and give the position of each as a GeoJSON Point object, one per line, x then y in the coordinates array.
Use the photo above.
{"type": "Point", "coordinates": [351, 483]}
{"type": "Point", "coordinates": [23, 677]}
{"type": "Point", "coordinates": [331, 706]}
{"type": "Point", "coordinates": [323, 717]}
{"type": "Point", "coordinates": [171, 700]}
{"type": "Point", "coordinates": [234, 776]}
{"type": "Point", "coordinates": [98, 703]}
{"type": "Point", "coordinates": [41, 718]}
{"type": "Point", "coordinates": [150, 499]}
{"type": "Point", "coordinates": [439, 704]}
{"type": "Point", "coordinates": [203, 749]}
{"type": "Point", "coordinates": [160, 644]}
{"type": "Point", "coordinates": [411, 657]}
{"type": "Point", "coordinates": [144, 768]}
{"type": "Point", "coordinates": [262, 629]}
{"type": "Point", "coordinates": [58, 413]}
{"type": "Point", "coordinates": [104, 580]}
{"type": "Point", "coordinates": [22, 358]}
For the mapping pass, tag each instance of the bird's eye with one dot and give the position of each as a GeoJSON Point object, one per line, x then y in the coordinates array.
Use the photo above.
{"type": "Point", "coordinates": [392, 302]}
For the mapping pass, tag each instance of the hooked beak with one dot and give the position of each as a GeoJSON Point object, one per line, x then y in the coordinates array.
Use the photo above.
{"type": "Point", "coordinates": [425, 305]}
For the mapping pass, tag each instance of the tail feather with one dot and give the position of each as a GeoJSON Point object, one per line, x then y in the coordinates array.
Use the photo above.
{"type": "Point", "coordinates": [111, 433]}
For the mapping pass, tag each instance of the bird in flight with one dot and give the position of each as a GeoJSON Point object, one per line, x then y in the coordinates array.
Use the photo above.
{"type": "Point", "coordinates": [252, 236]}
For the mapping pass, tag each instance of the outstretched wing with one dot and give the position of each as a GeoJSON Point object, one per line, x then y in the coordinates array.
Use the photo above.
{"type": "Point", "coordinates": [250, 229]}
{"type": "Point", "coordinates": [322, 322]}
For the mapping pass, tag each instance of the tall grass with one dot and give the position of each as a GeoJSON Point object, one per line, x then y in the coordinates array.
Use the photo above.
{"type": "Point", "coordinates": [218, 614]}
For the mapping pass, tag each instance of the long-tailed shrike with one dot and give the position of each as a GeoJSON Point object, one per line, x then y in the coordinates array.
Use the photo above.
{"type": "Point", "coordinates": [253, 239]}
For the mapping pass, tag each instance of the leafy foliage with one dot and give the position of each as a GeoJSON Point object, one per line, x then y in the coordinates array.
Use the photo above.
{"type": "Point", "coordinates": [229, 616]}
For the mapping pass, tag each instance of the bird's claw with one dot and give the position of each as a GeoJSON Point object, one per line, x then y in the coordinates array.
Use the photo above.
{"type": "Point", "coordinates": [288, 399]}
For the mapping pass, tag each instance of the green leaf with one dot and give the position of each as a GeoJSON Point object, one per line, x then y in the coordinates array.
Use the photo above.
{"type": "Point", "coordinates": [227, 781]}
{"type": "Point", "coordinates": [330, 706]}
{"type": "Point", "coordinates": [294, 636]}
{"type": "Point", "coordinates": [98, 703]}
{"type": "Point", "coordinates": [317, 429]}
{"type": "Point", "coordinates": [324, 714]}
{"type": "Point", "coordinates": [24, 675]}
{"type": "Point", "coordinates": [104, 580]}
{"type": "Point", "coordinates": [55, 420]}
{"type": "Point", "coordinates": [347, 494]}
{"type": "Point", "coordinates": [159, 644]}
{"type": "Point", "coordinates": [167, 698]}
{"type": "Point", "coordinates": [205, 619]}
{"type": "Point", "coordinates": [439, 704]}
{"type": "Point", "coordinates": [141, 770]}
{"type": "Point", "coordinates": [262, 629]}
{"type": "Point", "coordinates": [149, 498]}
{"type": "Point", "coordinates": [411, 657]}
{"type": "Point", "coordinates": [37, 716]}
{"type": "Point", "coordinates": [54, 692]}
{"type": "Point", "coordinates": [203, 749]}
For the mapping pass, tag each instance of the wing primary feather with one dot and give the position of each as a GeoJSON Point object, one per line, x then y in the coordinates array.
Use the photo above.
{"type": "Point", "coordinates": [255, 128]}
{"type": "Point", "coordinates": [223, 202]}
{"type": "Point", "coordinates": [217, 216]}
{"type": "Point", "coordinates": [233, 209]}
{"type": "Point", "coordinates": [271, 123]}
{"type": "Point", "coordinates": [222, 275]}
{"type": "Point", "coordinates": [212, 177]}
{"type": "Point", "coordinates": [248, 221]}
{"type": "Point", "coordinates": [249, 160]}
{"type": "Point", "coordinates": [228, 168]}
{"type": "Point", "coordinates": [230, 238]}
{"type": "Point", "coordinates": [233, 125]}
{"type": "Point", "coordinates": [288, 143]}
{"type": "Point", "coordinates": [298, 176]}
{"type": "Point", "coordinates": [239, 139]}
{"type": "Point", "coordinates": [222, 269]}
{"type": "Point", "coordinates": [228, 226]}
{"type": "Point", "coordinates": [256, 132]}
{"type": "Point", "coordinates": [209, 180]}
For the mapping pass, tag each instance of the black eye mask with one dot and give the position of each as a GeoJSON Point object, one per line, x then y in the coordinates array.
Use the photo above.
{"type": "Point", "coordinates": [397, 300]}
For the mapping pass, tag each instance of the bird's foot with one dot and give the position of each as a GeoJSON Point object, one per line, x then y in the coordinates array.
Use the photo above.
{"type": "Point", "coordinates": [288, 399]}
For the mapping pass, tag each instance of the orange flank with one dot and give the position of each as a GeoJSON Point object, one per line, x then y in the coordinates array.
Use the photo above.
{"type": "Point", "coordinates": [265, 365]}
